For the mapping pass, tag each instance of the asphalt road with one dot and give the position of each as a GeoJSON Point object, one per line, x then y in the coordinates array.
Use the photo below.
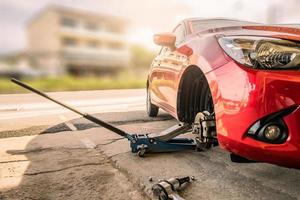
{"type": "Point", "coordinates": [19, 111]}
{"type": "Point", "coordinates": [89, 162]}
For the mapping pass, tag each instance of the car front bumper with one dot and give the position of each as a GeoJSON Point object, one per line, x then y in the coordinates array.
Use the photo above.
{"type": "Point", "coordinates": [243, 96]}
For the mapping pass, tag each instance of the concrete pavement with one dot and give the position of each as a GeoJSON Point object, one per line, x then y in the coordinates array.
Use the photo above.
{"type": "Point", "coordinates": [69, 160]}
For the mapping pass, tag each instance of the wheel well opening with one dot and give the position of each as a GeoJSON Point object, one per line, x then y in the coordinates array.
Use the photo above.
{"type": "Point", "coordinates": [194, 95]}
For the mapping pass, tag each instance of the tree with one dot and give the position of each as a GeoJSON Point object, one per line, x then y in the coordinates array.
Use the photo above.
{"type": "Point", "coordinates": [141, 57]}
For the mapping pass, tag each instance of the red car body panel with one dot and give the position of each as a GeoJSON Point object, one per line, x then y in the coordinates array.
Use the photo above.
{"type": "Point", "coordinates": [241, 95]}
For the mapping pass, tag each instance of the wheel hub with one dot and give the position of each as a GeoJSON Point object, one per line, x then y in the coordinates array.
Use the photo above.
{"type": "Point", "coordinates": [204, 127]}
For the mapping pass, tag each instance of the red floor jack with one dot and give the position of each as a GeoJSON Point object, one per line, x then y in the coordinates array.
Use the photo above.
{"type": "Point", "coordinates": [143, 143]}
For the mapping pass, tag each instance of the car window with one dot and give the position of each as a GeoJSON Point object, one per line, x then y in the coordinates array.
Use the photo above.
{"type": "Point", "coordinates": [179, 31]}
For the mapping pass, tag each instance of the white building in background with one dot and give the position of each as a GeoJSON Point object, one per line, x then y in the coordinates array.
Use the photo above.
{"type": "Point", "coordinates": [65, 40]}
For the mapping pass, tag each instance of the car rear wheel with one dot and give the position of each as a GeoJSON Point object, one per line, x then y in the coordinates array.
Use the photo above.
{"type": "Point", "coordinates": [152, 110]}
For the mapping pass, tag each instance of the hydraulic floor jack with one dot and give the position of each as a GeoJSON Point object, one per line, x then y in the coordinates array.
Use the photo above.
{"type": "Point", "coordinates": [165, 141]}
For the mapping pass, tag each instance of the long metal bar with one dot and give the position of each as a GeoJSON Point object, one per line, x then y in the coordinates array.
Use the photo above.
{"type": "Point", "coordinates": [173, 132]}
{"type": "Point", "coordinates": [85, 115]}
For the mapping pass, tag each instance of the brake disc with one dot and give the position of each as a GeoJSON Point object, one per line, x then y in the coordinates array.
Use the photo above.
{"type": "Point", "coordinates": [204, 127]}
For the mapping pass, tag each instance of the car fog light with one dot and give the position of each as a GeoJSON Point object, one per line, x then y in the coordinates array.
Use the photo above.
{"type": "Point", "coordinates": [272, 132]}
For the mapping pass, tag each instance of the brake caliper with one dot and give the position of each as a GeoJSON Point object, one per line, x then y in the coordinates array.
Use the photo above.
{"type": "Point", "coordinates": [204, 127]}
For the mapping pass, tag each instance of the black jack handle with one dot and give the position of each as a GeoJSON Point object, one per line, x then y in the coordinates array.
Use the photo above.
{"type": "Point", "coordinates": [85, 115]}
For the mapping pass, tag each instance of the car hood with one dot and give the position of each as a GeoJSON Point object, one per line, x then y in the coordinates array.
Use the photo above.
{"type": "Point", "coordinates": [290, 32]}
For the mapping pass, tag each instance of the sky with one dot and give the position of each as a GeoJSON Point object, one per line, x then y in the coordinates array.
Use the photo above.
{"type": "Point", "coordinates": [146, 17]}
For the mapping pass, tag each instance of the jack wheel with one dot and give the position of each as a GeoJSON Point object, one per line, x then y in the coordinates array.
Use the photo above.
{"type": "Point", "coordinates": [141, 152]}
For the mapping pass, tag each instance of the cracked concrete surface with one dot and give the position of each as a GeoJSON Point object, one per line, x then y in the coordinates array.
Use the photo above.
{"type": "Point", "coordinates": [60, 171]}
{"type": "Point", "coordinates": [97, 164]}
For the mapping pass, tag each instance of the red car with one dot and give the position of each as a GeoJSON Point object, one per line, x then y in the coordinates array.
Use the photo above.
{"type": "Point", "coordinates": [244, 75]}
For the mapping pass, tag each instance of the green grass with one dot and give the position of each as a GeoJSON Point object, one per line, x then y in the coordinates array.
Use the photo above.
{"type": "Point", "coordinates": [71, 83]}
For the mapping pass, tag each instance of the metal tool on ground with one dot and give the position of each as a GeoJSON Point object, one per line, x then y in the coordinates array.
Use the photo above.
{"type": "Point", "coordinates": [140, 143]}
{"type": "Point", "coordinates": [167, 189]}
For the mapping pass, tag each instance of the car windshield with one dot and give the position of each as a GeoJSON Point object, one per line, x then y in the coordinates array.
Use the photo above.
{"type": "Point", "coordinates": [200, 25]}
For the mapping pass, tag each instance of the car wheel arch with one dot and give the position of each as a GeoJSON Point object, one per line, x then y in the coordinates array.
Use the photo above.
{"type": "Point", "coordinates": [186, 113]}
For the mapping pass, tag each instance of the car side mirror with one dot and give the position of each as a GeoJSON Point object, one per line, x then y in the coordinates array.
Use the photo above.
{"type": "Point", "coordinates": [165, 39]}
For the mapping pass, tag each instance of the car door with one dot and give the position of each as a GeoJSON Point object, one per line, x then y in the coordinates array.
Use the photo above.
{"type": "Point", "coordinates": [165, 68]}
{"type": "Point", "coordinates": [156, 77]}
{"type": "Point", "coordinates": [173, 61]}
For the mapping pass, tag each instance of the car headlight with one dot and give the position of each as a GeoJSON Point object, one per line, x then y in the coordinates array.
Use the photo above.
{"type": "Point", "coordinates": [262, 52]}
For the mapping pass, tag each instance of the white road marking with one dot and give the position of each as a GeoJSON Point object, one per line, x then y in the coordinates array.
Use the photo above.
{"type": "Point", "coordinates": [117, 108]}
{"type": "Point", "coordinates": [67, 123]}
{"type": "Point", "coordinates": [109, 105]}
{"type": "Point", "coordinates": [75, 103]}
{"type": "Point", "coordinates": [30, 109]}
